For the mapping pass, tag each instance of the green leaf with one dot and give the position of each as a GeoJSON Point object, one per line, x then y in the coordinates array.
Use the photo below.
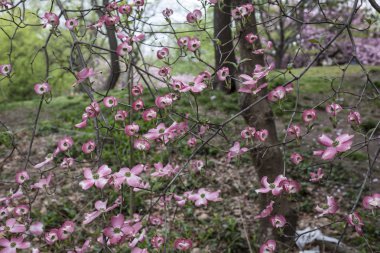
{"type": "Point", "coordinates": [314, 41]}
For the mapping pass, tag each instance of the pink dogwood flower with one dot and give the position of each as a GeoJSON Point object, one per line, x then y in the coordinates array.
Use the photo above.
{"type": "Point", "coordinates": [296, 158]}
{"type": "Point", "coordinates": [12, 196]}
{"type": "Point", "coordinates": [235, 150]}
{"type": "Point", "coordinates": [160, 132]}
{"type": "Point", "coordinates": [196, 87]}
{"type": "Point", "coordinates": [66, 230]}
{"type": "Point", "coordinates": [121, 115]}
{"type": "Point", "coordinates": [124, 9]}
{"type": "Point", "coordinates": [138, 105]}
{"type": "Point", "coordinates": [52, 236]}
{"type": "Point", "coordinates": [294, 130]}
{"type": "Point", "coordinates": [118, 229]}
{"type": "Point", "coordinates": [123, 49]}
{"type": "Point", "coordinates": [180, 86]}
{"type": "Point", "coordinates": [309, 116]}
{"type": "Point", "coordinates": [251, 38]}
{"type": "Point", "coordinates": [82, 249]}
{"type": "Point", "coordinates": [141, 144]}
{"type": "Point", "coordinates": [316, 176]}
{"type": "Point", "coordinates": [291, 186]}
{"type": "Point", "coordinates": [163, 101]}
{"type": "Point", "coordinates": [149, 114]}
{"type": "Point", "coordinates": [5, 69]}
{"type": "Point", "coordinates": [354, 118]}
{"type": "Point", "coordinates": [372, 201]}
{"type": "Point", "coordinates": [71, 23]}
{"type": "Point", "coordinates": [194, 16]}
{"type": "Point", "coordinates": [164, 171]}
{"type": "Point", "coordinates": [132, 129]}
{"type": "Point", "coordinates": [167, 12]}
{"type": "Point", "coordinates": [193, 44]}
{"type": "Point", "coordinates": [50, 19]}
{"type": "Point", "coordinates": [139, 250]}
{"type": "Point", "coordinates": [67, 162]}
{"type": "Point", "coordinates": [157, 241]}
{"type": "Point", "coordinates": [99, 179]}
{"type": "Point", "coordinates": [223, 73]}
{"type": "Point", "coordinates": [250, 82]}
{"type": "Point", "coordinates": [163, 53]}
{"type": "Point", "coordinates": [20, 210]}
{"type": "Point", "coordinates": [268, 247]}
{"type": "Point", "coordinates": [44, 182]}
{"type": "Point", "coordinates": [139, 2]}
{"type": "Point", "coordinates": [266, 211]}
{"type": "Point", "coordinates": [181, 200]}
{"type": "Point", "coordinates": [11, 245]}
{"type": "Point", "coordinates": [137, 89]}
{"type": "Point", "coordinates": [110, 20]}
{"type": "Point", "coordinates": [289, 88]}
{"type": "Point", "coordinates": [138, 37]}
{"type": "Point", "coordinates": [277, 94]}
{"type": "Point", "coordinates": [21, 177]}
{"type": "Point", "coordinates": [83, 123]}
{"type": "Point", "coordinates": [330, 208]}
{"type": "Point", "coordinates": [196, 165]}
{"type": "Point", "coordinates": [203, 196]}
{"type": "Point", "coordinates": [128, 176]}
{"type": "Point", "coordinates": [275, 187]}
{"type": "Point", "coordinates": [64, 144]}
{"type": "Point", "coordinates": [356, 221]}
{"type": "Point", "coordinates": [164, 71]}
{"type": "Point", "coordinates": [42, 88]}
{"type": "Point", "coordinates": [183, 244]}
{"type": "Point", "coordinates": [156, 220]}
{"type": "Point", "coordinates": [84, 74]}
{"type": "Point", "coordinates": [100, 207]}
{"type": "Point", "coordinates": [111, 6]}
{"type": "Point", "coordinates": [88, 147]}
{"type": "Point", "coordinates": [261, 135]}
{"type": "Point", "coordinates": [341, 144]}
{"type": "Point", "coordinates": [183, 41]}
{"type": "Point", "coordinates": [12, 226]}
{"type": "Point", "coordinates": [192, 142]}
{"type": "Point", "coordinates": [277, 221]}
{"type": "Point", "coordinates": [93, 110]}
{"type": "Point", "coordinates": [36, 228]}
{"type": "Point", "coordinates": [333, 109]}
{"type": "Point", "coordinates": [250, 85]}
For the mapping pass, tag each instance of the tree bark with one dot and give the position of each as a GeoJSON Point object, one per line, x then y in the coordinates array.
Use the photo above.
{"type": "Point", "coordinates": [270, 162]}
{"type": "Point", "coordinates": [224, 50]}
{"type": "Point", "coordinates": [114, 64]}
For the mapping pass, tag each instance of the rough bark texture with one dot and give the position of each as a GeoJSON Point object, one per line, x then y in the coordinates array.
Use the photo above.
{"type": "Point", "coordinates": [225, 50]}
{"type": "Point", "coordinates": [114, 64]}
{"type": "Point", "coordinates": [267, 163]}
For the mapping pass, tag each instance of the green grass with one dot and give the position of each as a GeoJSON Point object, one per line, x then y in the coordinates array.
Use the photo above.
{"type": "Point", "coordinates": [319, 79]}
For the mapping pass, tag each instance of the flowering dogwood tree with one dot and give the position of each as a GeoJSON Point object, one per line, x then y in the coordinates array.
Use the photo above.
{"type": "Point", "coordinates": [134, 199]}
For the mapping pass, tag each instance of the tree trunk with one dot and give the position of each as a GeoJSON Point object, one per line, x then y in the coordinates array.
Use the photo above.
{"type": "Point", "coordinates": [114, 64]}
{"type": "Point", "coordinates": [224, 49]}
{"type": "Point", "coordinates": [267, 163]}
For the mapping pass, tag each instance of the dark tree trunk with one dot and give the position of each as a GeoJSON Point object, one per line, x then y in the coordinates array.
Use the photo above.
{"type": "Point", "coordinates": [224, 50]}
{"type": "Point", "coordinates": [278, 59]}
{"type": "Point", "coordinates": [114, 64]}
{"type": "Point", "coordinates": [267, 163]}
{"type": "Point", "coordinates": [280, 52]}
